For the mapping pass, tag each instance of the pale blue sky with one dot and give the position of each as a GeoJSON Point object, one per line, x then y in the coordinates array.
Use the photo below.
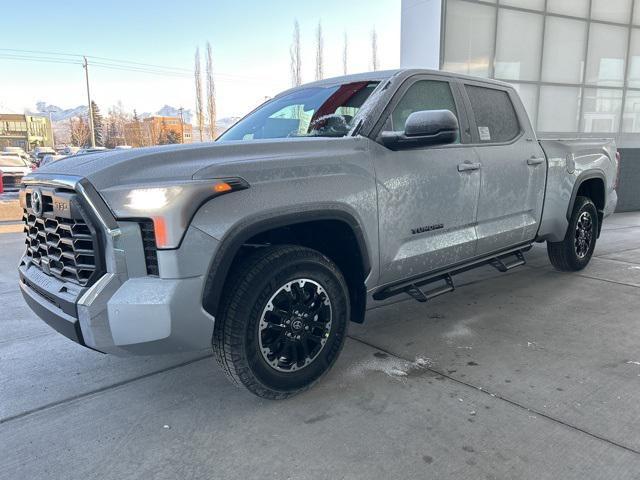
{"type": "Point", "coordinates": [250, 39]}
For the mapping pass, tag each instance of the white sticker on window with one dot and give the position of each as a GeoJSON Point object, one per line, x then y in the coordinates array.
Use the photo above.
{"type": "Point", "coordinates": [485, 134]}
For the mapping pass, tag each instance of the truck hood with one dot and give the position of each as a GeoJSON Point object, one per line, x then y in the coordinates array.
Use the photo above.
{"type": "Point", "coordinates": [175, 163]}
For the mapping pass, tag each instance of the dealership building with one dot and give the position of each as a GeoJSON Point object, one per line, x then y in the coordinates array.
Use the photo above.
{"type": "Point", "coordinates": [575, 63]}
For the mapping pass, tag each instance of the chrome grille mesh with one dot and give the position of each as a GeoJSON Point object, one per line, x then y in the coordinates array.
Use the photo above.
{"type": "Point", "coordinates": [62, 247]}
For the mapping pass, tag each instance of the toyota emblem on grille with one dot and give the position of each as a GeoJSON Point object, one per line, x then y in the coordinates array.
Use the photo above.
{"type": "Point", "coordinates": [36, 202]}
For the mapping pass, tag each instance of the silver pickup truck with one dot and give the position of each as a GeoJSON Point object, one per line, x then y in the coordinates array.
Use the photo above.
{"type": "Point", "coordinates": [319, 204]}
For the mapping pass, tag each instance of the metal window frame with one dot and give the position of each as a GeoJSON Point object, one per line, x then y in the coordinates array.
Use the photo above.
{"type": "Point", "coordinates": [497, 5]}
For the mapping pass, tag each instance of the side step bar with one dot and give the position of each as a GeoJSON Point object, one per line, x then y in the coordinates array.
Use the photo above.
{"type": "Point", "coordinates": [499, 264]}
{"type": "Point", "coordinates": [503, 262]}
{"type": "Point", "coordinates": [423, 297]}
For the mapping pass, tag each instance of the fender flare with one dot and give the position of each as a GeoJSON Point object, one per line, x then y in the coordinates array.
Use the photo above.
{"type": "Point", "coordinates": [233, 240]}
{"type": "Point", "coordinates": [583, 177]}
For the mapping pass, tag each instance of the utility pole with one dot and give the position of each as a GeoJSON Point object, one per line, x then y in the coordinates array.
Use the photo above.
{"type": "Point", "coordinates": [91, 127]}
{"type": "Point", "coordinates": [181, 110]}
{"type": "Point", "coordinates": [53, 138]}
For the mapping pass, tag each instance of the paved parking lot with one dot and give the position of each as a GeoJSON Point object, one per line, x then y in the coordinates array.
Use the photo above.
{"type": "Point", "coordinates": [533, 374]}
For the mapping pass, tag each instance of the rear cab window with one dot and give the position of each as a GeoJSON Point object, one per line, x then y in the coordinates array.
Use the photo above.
{"type": "Point", "coordinates": [495, 116]}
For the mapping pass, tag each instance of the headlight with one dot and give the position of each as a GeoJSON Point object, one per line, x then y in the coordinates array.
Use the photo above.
{"type": "Point", "coordinates": [170, 206]}
{"type": "Point", "coordinates": [151, 199]}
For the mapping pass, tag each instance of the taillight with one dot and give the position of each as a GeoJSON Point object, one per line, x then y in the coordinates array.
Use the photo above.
{"type": "Point", "coordinates": [615, 184]}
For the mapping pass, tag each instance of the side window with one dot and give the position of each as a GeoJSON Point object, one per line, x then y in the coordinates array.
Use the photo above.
{"type": "Point", "coordinates": [422, 95]}
{"type": "Point", "coordinates": [495, 116]}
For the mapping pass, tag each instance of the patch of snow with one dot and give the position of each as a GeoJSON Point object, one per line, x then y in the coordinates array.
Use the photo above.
{"type": "Point", "coordinates": [630, 362]}
{"type": "Point", "coordinates": [393, 367]}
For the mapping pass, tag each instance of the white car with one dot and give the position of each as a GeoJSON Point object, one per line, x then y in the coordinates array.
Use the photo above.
{"type": "Point", "coordinates": [13, 168]}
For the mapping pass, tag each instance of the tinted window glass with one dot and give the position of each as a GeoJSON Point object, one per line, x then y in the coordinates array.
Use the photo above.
{"type": "Point", "coordinates": [325, 111]}
{"type": "Point", "coordinates": [422, 95]}
{"type": "Point", "coordinates": [495, 116]}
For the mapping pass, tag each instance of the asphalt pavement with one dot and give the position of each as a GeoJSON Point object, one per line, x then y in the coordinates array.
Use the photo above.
{"type": "Point", "coordinates": [532, 374]}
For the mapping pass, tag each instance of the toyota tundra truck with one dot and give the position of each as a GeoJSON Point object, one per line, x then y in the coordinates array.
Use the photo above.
{"type": "Point", "coordinates": [321, 203]}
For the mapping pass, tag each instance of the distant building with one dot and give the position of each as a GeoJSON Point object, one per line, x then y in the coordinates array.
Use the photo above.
{"type": "Point", "coordinates": [25, 131]}
{"type": "Point", "coordinates": [157, 131]}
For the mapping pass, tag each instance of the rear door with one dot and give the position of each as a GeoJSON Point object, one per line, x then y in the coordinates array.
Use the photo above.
{"type": "Point", "coordinates": [513, 168]}
{"type": "Point", "coordinates": [427, 197]}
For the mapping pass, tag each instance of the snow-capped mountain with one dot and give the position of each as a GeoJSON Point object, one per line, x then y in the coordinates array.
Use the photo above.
{"type": "Point", "coordinates": [59, 114]}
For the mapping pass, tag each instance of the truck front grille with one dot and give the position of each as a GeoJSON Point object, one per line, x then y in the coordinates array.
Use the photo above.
{"type": "Point", "coordinates": [11, 181]}
{"type": "Point", "coordinates": [60, 240]}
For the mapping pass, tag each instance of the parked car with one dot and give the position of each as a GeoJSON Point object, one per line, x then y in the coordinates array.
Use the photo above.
{"type": "Point", "coordinates": [16, 151]}
{"type": "Point", "coordinates": [84, 151]}
{"type": "Point", "coordinates": [50, 158]}
{"type": "Point", "coordinates": [40, 152]}
{"type": "Point", "coordinates": [13, 168]}
{"type": "Point", "coordinates": [320, 204]}
{"type": "Point", "coordinates": [70, 150]}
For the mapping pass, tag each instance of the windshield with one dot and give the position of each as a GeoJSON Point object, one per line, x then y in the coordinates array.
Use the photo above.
{"type": "Point", "coordinates": [12, 161]}
{"type": "Point", "coordinates": [326, 111]}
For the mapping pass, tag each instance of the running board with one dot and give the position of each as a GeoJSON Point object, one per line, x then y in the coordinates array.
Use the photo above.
{"type": "Point", "coordinates": [422, 297]}
{"type": "Point", "coordinates": [499, 262]}
{"type": "Point", "coordinates": [503, 262]}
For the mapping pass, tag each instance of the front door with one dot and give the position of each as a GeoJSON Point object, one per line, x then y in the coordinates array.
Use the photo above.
{"type": "Point", "coordinates": [427, 197]}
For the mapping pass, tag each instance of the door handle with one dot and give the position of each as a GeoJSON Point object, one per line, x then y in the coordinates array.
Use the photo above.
{"type": "Point", "coordinates": [533, 161]}
{"type": "Point", "coordinates": [468, 166]}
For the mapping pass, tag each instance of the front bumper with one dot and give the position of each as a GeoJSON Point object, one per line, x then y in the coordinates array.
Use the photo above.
{"type": "Point", "coordinates": [126, 311]}
{"type": "Point", "coordinates": [129, 316]}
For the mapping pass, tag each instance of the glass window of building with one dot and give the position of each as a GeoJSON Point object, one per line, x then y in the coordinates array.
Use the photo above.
{"type": "Point", "coordinates": [559, 109]}
{"type": "Point", "coordinates": [495, 116]}
{"type": "Point", "coordinates": [631, 116]}
{"type": "Point", "coordinates": [633, 76]}
{"type": "Point", "coordinates": [611, 10]}
{"type": "Point", "coordinates": [469, 38]}
{"type": "Point", "coordinates": [574, 8]}
{"type": "Point", "coordinates": [636, 12]}
{"type": "Point", "coordinates": [529, 96]}
{"type": "Point", "coordinates": [607, 53]}
{"type": "Point", "coordinates": [531, 4]}
{"type": "Point", "coordinates": [564, 43]}
{"type": "Point", "coordinates": [601, 111]}
{"type": "Point", "coordinates": [516, 29]}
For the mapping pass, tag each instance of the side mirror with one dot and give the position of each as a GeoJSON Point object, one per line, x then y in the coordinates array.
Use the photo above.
{"type": "Point", "coordinates": [423, 129]}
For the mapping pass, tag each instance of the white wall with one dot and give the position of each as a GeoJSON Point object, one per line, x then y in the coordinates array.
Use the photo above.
{"type": "Point", "coordinates": [420, 38]}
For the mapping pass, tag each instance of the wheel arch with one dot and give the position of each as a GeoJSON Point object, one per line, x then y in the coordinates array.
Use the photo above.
{"type": "Point", "coordinates": [591, 184]}
{"type": "Point", "coordinates": [232, 243]}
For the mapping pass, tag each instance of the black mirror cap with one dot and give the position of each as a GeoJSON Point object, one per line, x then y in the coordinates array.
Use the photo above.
{"type": "Point", "coordinates": [423, 129]}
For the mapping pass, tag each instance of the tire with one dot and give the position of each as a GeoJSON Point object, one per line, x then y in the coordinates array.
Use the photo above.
{"type": "Point", "coordinates": [575, 251]}
{"type": "Point", "coordinates": [252, 341]}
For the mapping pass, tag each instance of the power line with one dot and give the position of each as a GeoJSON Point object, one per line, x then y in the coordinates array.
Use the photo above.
{"type": "Point", "coordinates": [106, 62]}
{"type": "Point", "coordinates": [38, 59]}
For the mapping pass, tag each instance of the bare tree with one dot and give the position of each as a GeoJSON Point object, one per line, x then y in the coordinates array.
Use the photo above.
{"type": "Point", "coordinates": [345, 55]}
{"type": "Point", "coordinates": [211, 94]}
{"type": "Point", "coordinates": [116, 120]}
{"type": "Point", "coordinates": [79, 131]}
{"type": "Point", "coordinates": [199, 105]}
{"type": "Point", "coordinates": [374, 49]}
{"type": "Point", "coordinates": [296, 57]}
{"type": "Point", "coordinates": [319, 53]}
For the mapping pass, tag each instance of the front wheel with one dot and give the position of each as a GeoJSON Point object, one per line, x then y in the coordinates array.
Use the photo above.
{"type": "Point", "coordinates": [576, 250]}
{"type": "Point", "coordinates": [282, 322]}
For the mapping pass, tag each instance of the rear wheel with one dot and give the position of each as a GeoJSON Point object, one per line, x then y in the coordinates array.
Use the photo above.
{"type": "Point", "coordinates": [282, 322]}
{"type": "Point", "coordinates": [576, 250]}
